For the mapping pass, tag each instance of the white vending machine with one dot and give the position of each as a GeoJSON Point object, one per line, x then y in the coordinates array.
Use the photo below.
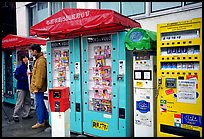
{"type": "Point", "coordinates": [144, 79]}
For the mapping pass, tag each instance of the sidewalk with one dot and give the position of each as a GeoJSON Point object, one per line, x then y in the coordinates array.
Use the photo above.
{"type": "Point", "coordinates": [22, 128]}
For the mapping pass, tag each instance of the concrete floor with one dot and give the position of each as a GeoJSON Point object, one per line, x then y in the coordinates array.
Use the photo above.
{"type": "Point", "coordinates": [23, 128]}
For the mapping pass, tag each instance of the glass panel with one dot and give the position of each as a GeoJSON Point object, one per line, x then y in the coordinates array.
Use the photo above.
{"type": "Point", "coordinates": [188, 3]}
{"type": "Point", "coordinates": [157, 6]}
{"type": "Point", "coordinates": [55, 7]}
{"type": "Point", "coordinates": [33, 17]}
{"type": "Point", "coordinates": [42, 12]}
{"type": "Point", "coordinates": [60, 60]}
{"type": "Point", "coordinates": [69, 4]}
{"type": "Point", "coordinates": [99, 84]}
{"type": "Point", "coordinates": [42, 5]}
{"type": "Point", "coordinates": [111, 6]}
{"type": "Point", "coordinates": [133, 8]}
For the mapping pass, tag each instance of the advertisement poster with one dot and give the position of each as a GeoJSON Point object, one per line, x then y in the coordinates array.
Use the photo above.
{"type": "Point", "coordinates": [186, 91]}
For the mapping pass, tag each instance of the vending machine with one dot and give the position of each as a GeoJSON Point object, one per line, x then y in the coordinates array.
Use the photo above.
{"type": "Point", "coordinates": [142, 44]}
{"type": "Point", "coordinates": [107, 86]}
{"type": "Point", "coordinates": [64, 70]}
{"type": "Point", "coordinates": [179, 74]}
{"type": "Point", "coordinates": [9, 82]}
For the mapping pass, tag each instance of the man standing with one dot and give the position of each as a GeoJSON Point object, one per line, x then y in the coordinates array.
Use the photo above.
{"type": "Point", "coordinates": [39, 85]}
{"type": "Point", "coordinates": [23, 95]}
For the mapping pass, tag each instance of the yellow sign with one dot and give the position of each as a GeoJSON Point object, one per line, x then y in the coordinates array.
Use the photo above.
{"type": "Point", "coordinates": [100, 125]}
{"type": "Point", "coordinates": [139, 84]}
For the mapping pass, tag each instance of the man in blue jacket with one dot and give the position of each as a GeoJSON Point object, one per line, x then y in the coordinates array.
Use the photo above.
{"type": "Point", "coordinates": [23, 94]}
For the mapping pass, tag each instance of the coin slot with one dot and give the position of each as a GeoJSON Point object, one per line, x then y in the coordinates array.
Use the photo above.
{"type": "Point", "coordinates": [162, 72]}
{"type": "Point", "coordinates": [184, 57]}
{"type": "Point", "coordinates": [172, 72]}
{"type": "Point", "coordinates": [178, 57]}
{"type": "Point", "coordinates": [162, 43]}
{"type": "Point", "coordinates": [162, 58]}
{"type": "Point", "coordinates": [184, 73]}
{"type": "Point", "coordinates": [178, 42]}
{"type": "Point", "coordinates": [173, 43]}
{"type": "Point", "coordinates": [184, 42]}
{"type": "Point", "coordinates": [167, 73]}
{"type": "Point", "coordinates": [189, 73]}
{"type": "Point", "coordinates": [189, 57]}
{"type": "Point", "coordinates": [196, 57]}
{"type": "Point", "coordinates": [167, 43]}
{"type": "Point", "coordinates": [173, 58]}
{"type": "Point", "coordinates": [190, 42]}
{"type": "Point", "coordinates": [167, 58]}
{"type": "Point", "coordinates": [178, 73]}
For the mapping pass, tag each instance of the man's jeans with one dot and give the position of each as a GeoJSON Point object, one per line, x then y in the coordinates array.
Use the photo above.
{"type": "Point", "coordinates": [41, 110]}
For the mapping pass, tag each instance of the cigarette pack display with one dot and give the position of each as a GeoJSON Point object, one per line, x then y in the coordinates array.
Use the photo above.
{"type": "Point", "coordinates": [184, 66]}
{"type": "Point", "coordinates": [190, 65]}
{"type": "Point", "coordinates": [169, 50]}
{"type": "Point", "coordinates": [163, 51]}
{"type": "Point", "coordinates": [183, 50]}
{"type": "Point", "coordinates": [196, 50]}
{"type": "Point", "coordinates": [178, 50]}
{"type": "Point", "coordinates": [173, 52]}
{"type": "Point", "coordinates": [196, 66]}
{"type": "Point", "coordinates": [179, 66]}
{"type": "Point", "coordinates": [190, 50]}
{"type": "Point", "coordinates": [174, 65]}
{"type": "Point", "coordinates": [169, 66]}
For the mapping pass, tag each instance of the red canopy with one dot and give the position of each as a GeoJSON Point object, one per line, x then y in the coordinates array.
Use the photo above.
{"type": "Point", "coordinates": [77, 22]}
{"type": "Point", "coordinates": [11, 41]}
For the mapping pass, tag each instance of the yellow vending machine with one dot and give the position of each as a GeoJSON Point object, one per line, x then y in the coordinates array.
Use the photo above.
{"type": "Point", "coordinates": [179, 79]}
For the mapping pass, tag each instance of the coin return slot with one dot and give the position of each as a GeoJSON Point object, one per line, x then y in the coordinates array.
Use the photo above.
{"type": "Point", "coordinates": [189, 73]}
{"type": "Point", "coordinates": [167, 43]}
{"type": "Point", "coordinates": [195, 73]}
{"type": "Point", "coordinates": [172, 72]}
{"type": "Point", "coordinates": [190, 42]}
{"type": "Point", "coordinates": [162, 43]}
{"type": "Point", "coordinates": [162, 58]}
{"type": "Point", "coordinates": [178, 42]}
{"type": "Point", "coordinates": [172, 57]}
{"type": "Point", "coordinates": [167, 58]}
{"type": "Point", "coordinates": [178, 57]}
{"type": "Point", "coordinates": [173, 43]}
{"type": "Point", "coordinates": [162, 72]}
{"type": "Point", "coordinates": [184, 57]}
{"type": "Point", "coordinates": [184, 73]}
{"type": "Point", "coordinates": [189, 58]}
{"type": "Point", "coordinates": [196, 57]}
{"type": "Point", "coordinates": [184, 42]}
{"type": "Point", "coordinates": [178, 72]}
{"type": "Point", "coordinates": [167, 73]}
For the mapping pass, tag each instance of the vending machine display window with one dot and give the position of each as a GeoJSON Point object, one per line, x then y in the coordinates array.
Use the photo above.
{"type": "Point", "coordinates": [61, 72]}
{"type": "Point", "coordinates": [100, 88]}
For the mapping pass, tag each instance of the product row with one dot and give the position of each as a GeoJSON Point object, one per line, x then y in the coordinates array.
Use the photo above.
{"type": "Point", "coordinates": [180, 50]}
{"type": "Point", "coordinates": [101, 105]}
{"type": "Point", "coordinates": [183, 66]}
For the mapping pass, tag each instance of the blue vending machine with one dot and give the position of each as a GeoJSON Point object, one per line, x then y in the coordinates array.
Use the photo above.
{"type": "Point", "coordinates": [9, 82]}
{"type": "Point", "coordinates": [64, 69]}
{"type": "Point", "coordinates": [107, 86]}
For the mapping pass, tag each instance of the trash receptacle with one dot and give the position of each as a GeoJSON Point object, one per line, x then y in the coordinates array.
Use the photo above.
{"type": "Point", "coordinates": [59, 99]}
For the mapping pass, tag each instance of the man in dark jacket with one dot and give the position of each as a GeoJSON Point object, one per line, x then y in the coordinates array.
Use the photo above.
{"type": "Point", "coordinates": [23, 94]}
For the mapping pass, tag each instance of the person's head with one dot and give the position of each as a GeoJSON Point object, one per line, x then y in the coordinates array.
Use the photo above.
{"type": "Point", "coordinates": [35, 49]}
{"type": "Point", "coordinates": [24, 59]}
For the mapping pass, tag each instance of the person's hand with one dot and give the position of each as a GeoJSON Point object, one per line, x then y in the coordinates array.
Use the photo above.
{"type": "Point", "coordinates": [34, 92]}
{"type": "Point", "coordinates": [29, 73]}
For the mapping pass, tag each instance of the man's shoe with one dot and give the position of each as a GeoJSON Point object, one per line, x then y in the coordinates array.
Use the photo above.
{"type": "Point", "coordinates": [28, 117]}
{"type": "Point", "coordinates": [16, 119]}
{"type": "Point", "coordinates": [37, 125]}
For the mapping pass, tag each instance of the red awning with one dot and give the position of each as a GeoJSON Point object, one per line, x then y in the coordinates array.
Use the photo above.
{"type": "Point", "coordinates": [77, 22]}
{"type": "Point", "coordinates": [11, 41]}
